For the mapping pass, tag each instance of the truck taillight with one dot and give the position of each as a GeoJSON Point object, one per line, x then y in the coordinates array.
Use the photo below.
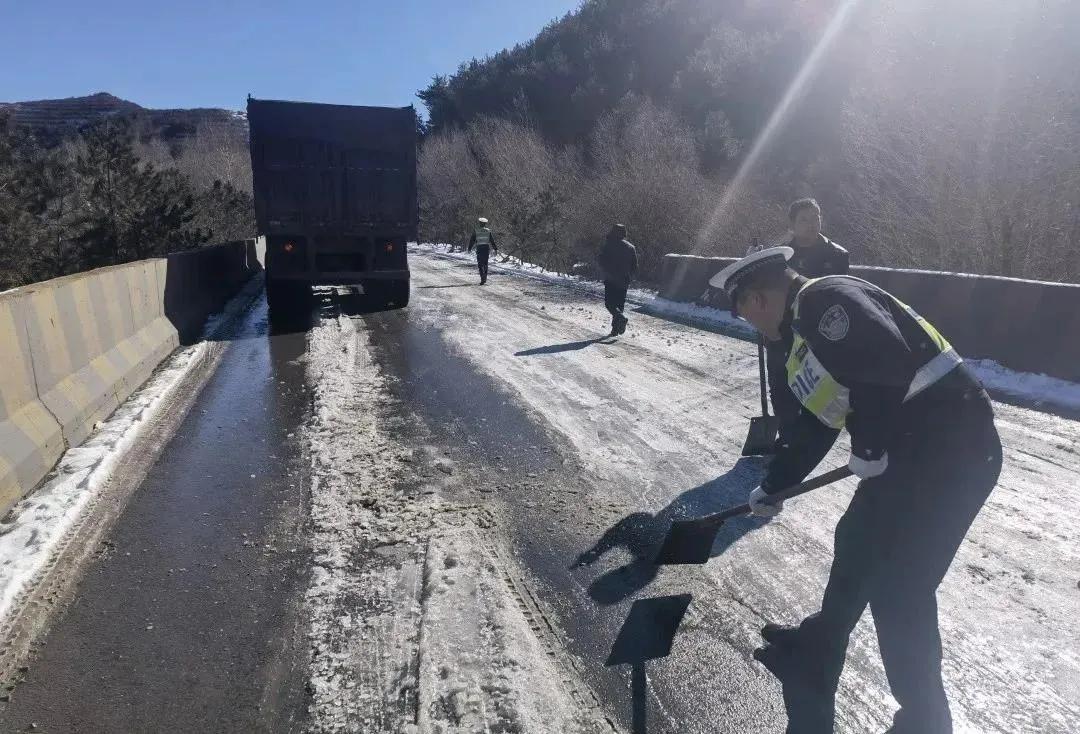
{"type": "Point", "coordinates": [288, 247]}
{"type": "Point", "coordinates": [389, 246]}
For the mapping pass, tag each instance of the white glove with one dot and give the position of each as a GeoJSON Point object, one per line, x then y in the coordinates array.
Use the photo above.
{"type": "Point", "coordinates": [761, 504]}
{"type": "Point", "coordinates": [865, 469]}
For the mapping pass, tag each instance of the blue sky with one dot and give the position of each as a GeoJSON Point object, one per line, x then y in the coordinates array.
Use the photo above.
{"type": "Point", "coordinates": [200, 53]}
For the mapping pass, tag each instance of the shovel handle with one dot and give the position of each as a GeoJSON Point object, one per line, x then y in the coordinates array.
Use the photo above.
{"type": "Point", "coordinates": [834, 475]}
{"type": "Point", "coordinates": [761, 374]}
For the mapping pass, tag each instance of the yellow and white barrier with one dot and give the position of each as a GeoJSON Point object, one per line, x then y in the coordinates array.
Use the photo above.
{"type": "Point", "coordinates": [73, 349]}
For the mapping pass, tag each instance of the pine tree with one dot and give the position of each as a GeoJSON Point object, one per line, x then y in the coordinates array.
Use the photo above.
{"type": "Point", "coordinates": [130, 210]}
{"type": "Point", "coordinates": [15, 224]}
{"type": "Point", "coordinates": [51, 200]}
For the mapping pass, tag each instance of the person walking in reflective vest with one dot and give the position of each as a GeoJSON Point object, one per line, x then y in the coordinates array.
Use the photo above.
{"type": "Point", "coordinates": [923, 443]}
{"type": "Point", "coordinates": [484, 242]}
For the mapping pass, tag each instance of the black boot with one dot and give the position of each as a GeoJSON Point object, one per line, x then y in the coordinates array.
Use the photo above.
{"type": "Point", "coordinates": [780, 634]}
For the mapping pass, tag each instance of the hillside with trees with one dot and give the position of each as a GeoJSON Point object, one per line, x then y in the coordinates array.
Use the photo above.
{"type": "Point", "coordinates": [93, 200]}
{"type": "Point", "coordinates": [94, 181]}
{"type": "Point", "coordinates": [936, 135]}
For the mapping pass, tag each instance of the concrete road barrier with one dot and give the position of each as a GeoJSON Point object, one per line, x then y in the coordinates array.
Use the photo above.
{"type": "Point", "coordinates": [74, 348]}
{"type": "Point", "coordinates": [30, 437]}
{"type": "Point", "coordinates": [95, 338]}
{"type": "Point", "coordinates": [199, 282]}
{"type": "Point", "coordinates": [1027, 325]}
{"type": "Point", "coordinates": [685, 278]}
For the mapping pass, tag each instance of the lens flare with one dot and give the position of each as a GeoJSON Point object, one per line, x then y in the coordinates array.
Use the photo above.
{"type": "Point", "coordinates": [723, 208]}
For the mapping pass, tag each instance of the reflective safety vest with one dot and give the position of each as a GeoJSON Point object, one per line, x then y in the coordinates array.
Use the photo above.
{"type": "Point", "coordinates": [483, 237]}
{"type": "Point", "coordinates": [822, 395]}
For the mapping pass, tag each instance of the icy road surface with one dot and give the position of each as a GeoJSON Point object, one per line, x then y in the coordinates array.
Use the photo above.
{"type": "Point", "coordinates": [436, 520]}
{"type": "Point", "coordinates": [653, 425]}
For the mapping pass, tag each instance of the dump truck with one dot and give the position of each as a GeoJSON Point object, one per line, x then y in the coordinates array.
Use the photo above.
{"type": "Point", "coordinates": [335, 197]}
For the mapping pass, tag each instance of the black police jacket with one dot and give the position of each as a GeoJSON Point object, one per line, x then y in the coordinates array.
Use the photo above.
{"type": "Point", "coordinates": [824, 258]}
{"type": "Point", "coordinates": [873, 346]}
{"type": "Point", "coordinates": [618, 260]}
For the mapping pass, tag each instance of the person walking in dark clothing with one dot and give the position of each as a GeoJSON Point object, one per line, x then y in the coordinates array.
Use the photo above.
{"type": "Point", "coordinates": [618, 266]}
{"type": "Point", "coordinates": [484, 242]}
{"type": "Point", "coordinates": [815, 255]}
{"type": "Point", "coordinates": [927, 452]}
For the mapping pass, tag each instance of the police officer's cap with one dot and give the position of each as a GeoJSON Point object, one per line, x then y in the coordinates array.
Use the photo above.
{"type": "Point", "coordinates": [482, 220]}
{"type": "Point", "coordinates": [744, 271]}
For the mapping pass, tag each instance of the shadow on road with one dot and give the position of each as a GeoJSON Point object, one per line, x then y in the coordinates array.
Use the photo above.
{"type": "Point", "coordinates": [641, 533]}
{"type": "Point", "coordinates": [565, 347]}
{"type": "Point", "coordinates": [647, 634]}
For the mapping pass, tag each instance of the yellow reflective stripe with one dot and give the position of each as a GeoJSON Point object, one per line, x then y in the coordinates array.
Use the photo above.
{"type": "Point", "coordinates": [815, 388]}
{"type": "Point", "coordinates": [933, 371]}
{"type": "Point", "coordinates": [939, 340]}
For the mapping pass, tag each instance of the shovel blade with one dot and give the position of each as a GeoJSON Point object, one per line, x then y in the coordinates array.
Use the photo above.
{"type": "Point", "coordinates": [688, 542]}
{"type": "Point", "coordinates": [761, 439]}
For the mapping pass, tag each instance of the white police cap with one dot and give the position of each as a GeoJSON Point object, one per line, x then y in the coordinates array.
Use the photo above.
{"type": "Point", "coordinates": [482, 220]}
{"type": "Point", "coordinates": [730, 278]}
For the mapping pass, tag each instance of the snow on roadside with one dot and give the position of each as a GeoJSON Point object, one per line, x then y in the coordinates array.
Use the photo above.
{"type": "Point", "coordinates": [412, 626]}
{"type": "Point", "coordinates": [1027, 386]}
{"type": "Point", "coordinates": [1039, 389]}
{"type": "Point", "coordinates": [36, 529]}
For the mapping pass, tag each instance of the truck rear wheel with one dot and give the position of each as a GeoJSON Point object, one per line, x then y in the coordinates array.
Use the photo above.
{"type": "Point", "coordinates": [286, 296]}
{"type": "Point", "coordinates": [387, 294]}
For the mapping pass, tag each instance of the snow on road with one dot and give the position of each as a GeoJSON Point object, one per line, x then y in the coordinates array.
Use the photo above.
{"type": "Point", "coordinates": [1034, 389]}
{"type": "Point", "coordinates": [413, 625]}
{"type": "Point", "coordinates": [662, 413]}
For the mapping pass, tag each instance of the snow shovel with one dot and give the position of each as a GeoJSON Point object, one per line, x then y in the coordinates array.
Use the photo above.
{"type": "Point", "coordinates": [761, 440]}
{"type": "Point", "coordinates": [691, 541]}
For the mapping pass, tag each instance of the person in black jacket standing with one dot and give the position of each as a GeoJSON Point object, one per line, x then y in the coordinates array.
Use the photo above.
{"type": "Point", "coordinates": [923, 443]}
{"type": "Point", "coordinates": [815, 255]}
{"type": "Point", "coordinates": [618, 266]}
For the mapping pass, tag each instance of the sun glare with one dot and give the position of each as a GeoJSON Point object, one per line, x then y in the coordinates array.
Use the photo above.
{"type": "Point", "coordinates": [761, 143]}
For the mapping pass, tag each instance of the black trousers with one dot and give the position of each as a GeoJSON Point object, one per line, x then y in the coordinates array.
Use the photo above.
{"type": "Point", "coordinates": [615, 300]}
{"type": "Point", "coordinates": [893, 546]}
{"type": "Point", "coordinates": [482, 254]}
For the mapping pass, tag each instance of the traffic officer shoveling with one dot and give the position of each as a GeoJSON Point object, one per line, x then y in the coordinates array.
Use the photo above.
{"type": "Point", "coordinates": [923, 443]}
{"type": "Point", "coordinates": [484, 242]}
